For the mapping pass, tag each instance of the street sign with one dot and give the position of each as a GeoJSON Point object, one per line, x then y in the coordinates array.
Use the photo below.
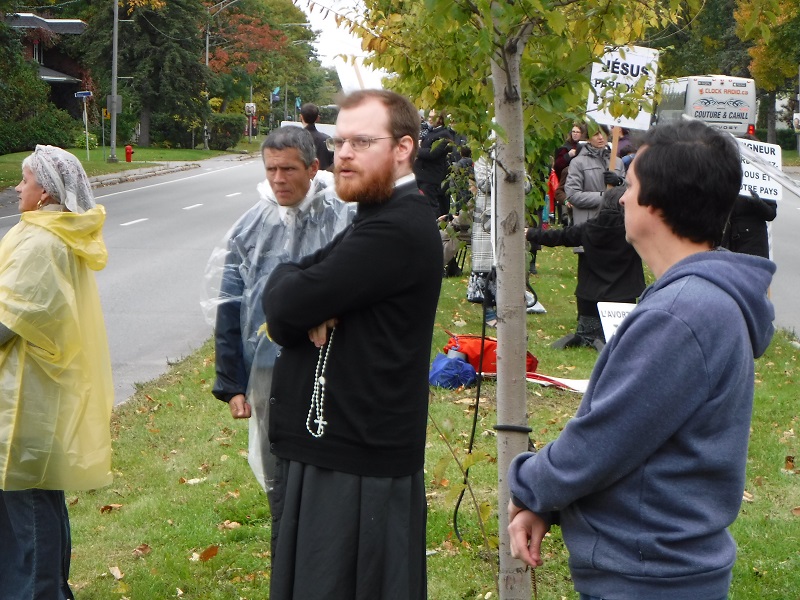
{"type": "Point", "coordinates": [83, 94]}
{"type": "Point", "coordinates": [250, 108]}
{"type": "Point", "coordinates": [115, 107]}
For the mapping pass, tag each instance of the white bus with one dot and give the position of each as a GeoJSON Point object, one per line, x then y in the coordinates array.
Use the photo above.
{"type": "Point", "coordinates": [727, 103]}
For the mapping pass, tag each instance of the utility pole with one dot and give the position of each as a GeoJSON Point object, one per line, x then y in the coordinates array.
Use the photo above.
{"type": "Point", "coordinates": [112, 156]}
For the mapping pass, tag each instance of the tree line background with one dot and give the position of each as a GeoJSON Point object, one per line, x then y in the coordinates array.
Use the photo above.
{"type": "Point", "coordinates": [255, 46]}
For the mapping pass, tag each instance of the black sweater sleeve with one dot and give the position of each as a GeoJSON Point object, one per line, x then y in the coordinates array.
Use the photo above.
{"type": "Point", "coordinates": [568, 236]}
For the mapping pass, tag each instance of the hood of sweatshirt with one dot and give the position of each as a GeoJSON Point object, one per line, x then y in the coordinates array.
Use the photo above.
{"type": "Point", "coordinates": [743, 277]}
{"type": "Point", "coordinates": [82, 233]}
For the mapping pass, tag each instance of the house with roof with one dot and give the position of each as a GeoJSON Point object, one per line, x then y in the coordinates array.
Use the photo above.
{"type": "Point", "coordinates": [41, 42]}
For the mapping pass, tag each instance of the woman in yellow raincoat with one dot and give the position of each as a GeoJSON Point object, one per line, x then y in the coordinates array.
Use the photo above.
{"type": "Point", "coordinates": [56, 392]}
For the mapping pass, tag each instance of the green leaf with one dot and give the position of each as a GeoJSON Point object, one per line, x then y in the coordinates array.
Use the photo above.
{"type": "Point", "coordinates": [441, 467]}
{"type": "Point", "coordinates": [486, 510]}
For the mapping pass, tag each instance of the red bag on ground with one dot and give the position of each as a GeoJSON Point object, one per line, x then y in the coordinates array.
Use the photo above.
{"type": "Point", "coordinates": [470, 345]}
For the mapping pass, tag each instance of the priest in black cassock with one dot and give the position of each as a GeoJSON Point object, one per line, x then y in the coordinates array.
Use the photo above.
{"type": "Point", "coordinates": [349, 397]}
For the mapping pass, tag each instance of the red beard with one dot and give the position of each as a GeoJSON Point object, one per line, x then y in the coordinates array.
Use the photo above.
{"type": "Point", "coordinates": [369, 188]}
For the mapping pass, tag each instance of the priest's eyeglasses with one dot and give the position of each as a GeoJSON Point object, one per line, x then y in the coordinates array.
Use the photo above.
{"type": "Point", "coordinates": [357, 143]}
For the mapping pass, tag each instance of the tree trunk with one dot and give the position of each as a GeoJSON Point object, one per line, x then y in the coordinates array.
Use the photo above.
{"type": "Point", "coordinates": [144, 126]}
{"type": "Point", "coordinates": [772, 137]}
{"type": "Point", "coordinates": [509, 226]}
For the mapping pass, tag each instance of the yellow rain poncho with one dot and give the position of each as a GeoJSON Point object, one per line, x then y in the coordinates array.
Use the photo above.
{"type": "Point", "coordinates": [56, 392]}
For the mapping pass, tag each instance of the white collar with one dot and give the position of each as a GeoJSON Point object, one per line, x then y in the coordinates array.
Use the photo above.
{"type": "Point", "coordinates": [405, 179]}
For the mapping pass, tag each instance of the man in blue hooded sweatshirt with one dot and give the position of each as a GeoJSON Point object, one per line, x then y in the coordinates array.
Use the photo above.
{"type": "Point", "coordinates": [646, 478]}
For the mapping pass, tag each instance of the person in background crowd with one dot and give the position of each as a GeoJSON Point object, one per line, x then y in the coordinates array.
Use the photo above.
{"type": "Point", "coordinates": [563, 157]}
{"type": "Point", "coordinates": [297, 214]}
{"type": "Point", "coordinates": [56, 390]}
{"type": "Point", "coordinates": [589, 176]}
{"type": "Point", "coordinates": [624, 144]}
{"type": "Point", "coordinates": [424, 125]}
{"type": "Point", "coordinates": [747, 228]}
{"type": "Point", "coordinates": [348, 411]}
{"type": "Point", "coordinates": [309, 115]}
{"type": "Point", "coordinates": [569, 149]}
{"type": "Point", "coordinates": [647, 477]}
{"type": "Point", "coordinates": [609, 269]}
{"type": "Point", "coordinates": [432, 165]}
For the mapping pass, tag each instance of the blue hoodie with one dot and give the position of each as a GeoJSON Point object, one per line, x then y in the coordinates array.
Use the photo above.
{"type": "Point", "coordinates": [649, 474]}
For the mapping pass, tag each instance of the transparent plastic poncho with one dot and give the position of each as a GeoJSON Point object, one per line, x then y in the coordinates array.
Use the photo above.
{"type": "Point", "coordinates": [56, 391]}
{"type": "Point", "coordinates": [265, 236]}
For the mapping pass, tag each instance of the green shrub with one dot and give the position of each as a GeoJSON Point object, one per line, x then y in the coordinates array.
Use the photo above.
{"type": "Point", "coordinates": [225, 130]}
{"type": "Point", "coordinates": [126, 126]}
{"type": "Point", "coordinates": [786, 138]}
{"type": "Point", "coordinates": [80, 140]}
{"type": "Point", "coordinates": [170, 131]}
{"type": "Point", "coordinates": [53, 126]}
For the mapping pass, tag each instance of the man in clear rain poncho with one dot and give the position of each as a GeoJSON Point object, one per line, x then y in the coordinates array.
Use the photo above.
{"type": "Point", "coordinates": [297, 213]}
{"type": "Point", "coordinates": [55, 373]}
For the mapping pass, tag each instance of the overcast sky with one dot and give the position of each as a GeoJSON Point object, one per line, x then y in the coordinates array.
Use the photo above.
{"type": "Point", "coordinates": [334, 42]}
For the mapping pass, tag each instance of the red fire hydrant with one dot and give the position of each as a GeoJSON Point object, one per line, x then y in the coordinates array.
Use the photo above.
{"type": "Point", "coordinates": [128, 153]}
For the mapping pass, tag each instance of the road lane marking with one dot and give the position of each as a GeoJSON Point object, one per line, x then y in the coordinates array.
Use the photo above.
{"type": "Point", "coordinates": [232, 195]}
{"type": "Point", "coordinates": [132, 222]}
{"type": "Point", "coordinates": [191, 207]}
{"type": "Point", "coordinates": [182, 179]}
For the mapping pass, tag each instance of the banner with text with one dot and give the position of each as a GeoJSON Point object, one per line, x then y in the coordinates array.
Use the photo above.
{"type": "Point", "coordinates": [623, 67]}
{"type": "Point", "coordinates": [756, 179]}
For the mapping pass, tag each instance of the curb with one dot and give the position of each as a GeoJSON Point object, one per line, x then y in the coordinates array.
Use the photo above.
{"type": "Point", "coordinates": [136, 174]}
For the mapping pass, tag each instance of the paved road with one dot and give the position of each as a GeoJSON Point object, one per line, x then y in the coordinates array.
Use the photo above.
{"type": "Point", "coordinates": [786, 254]}
{"type": "Point", "coordinates": [160, 232]}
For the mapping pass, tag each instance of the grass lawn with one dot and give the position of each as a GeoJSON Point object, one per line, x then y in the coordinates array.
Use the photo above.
{"type": "Point", "coordinates": [790, 158]}
{"type": "Point", "coordinates": [10, 164]}
{"type": "Point", "coordinates": [185, 518]}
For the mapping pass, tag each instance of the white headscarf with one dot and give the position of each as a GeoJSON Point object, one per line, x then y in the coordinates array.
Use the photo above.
{"type": "Point", "coordinates": [62, 177]}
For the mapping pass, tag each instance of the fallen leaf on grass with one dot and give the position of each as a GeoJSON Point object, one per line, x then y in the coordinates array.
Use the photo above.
{"type": "Point", "coordinates": [747, 496]}
{"type": "Point", "coordinates": [209, 553]}
{"type": "Point", "coordinates": [194, 481]}
{"type": "Point", "coordinates": [796, 511]}
{"type": "Point", "coordinates": [116, 573]}
{"type": "Point", "coordinates": [72, 501]}
{"type": "Point", "coordinates": [141, 550]}
{"type": "Point", "coordinates": [226, 524]}
{"type": "Point", "coordinates": [109, 507]}
{"type": "Point", "coordinates": [789, 464]}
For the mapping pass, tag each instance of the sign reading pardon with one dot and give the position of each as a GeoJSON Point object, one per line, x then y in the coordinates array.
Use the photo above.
{"type": "Point", "coordinates": [623, 67]}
